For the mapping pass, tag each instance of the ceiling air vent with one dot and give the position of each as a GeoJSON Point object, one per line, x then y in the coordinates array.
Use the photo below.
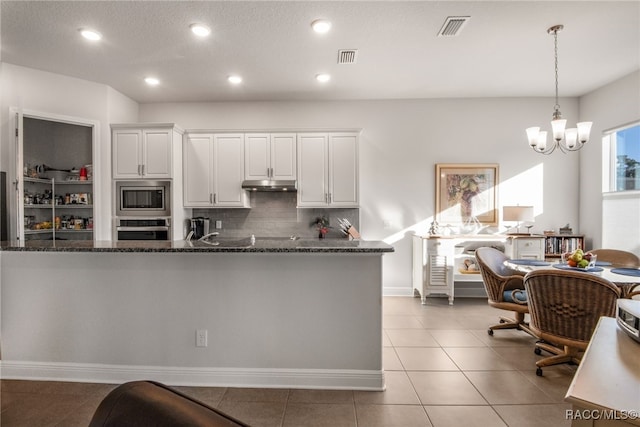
{"type": "Point", "coordinates": [347, 56]}
{"type": "Point", "coordinates": [453, 25]}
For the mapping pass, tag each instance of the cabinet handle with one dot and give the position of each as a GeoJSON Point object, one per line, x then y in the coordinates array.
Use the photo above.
{"type": "Point", "coordinates": [210, 197]}
{"type": "Point", "coordinates": [142, 167]}
{"type": "Point", "coordinates": [214, 198]}
{"type": "Point", "coordinates": [271, 172]}
{"type": "Point", "coordinates": [330, 198]}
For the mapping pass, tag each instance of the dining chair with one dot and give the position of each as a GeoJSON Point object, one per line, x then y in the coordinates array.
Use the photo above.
{"type": "Point", "coordinates": [617, 257]}
{"type": "Point", "coordinates": [564, 307]}
{"type": "Point", "coordinates": [504, 287]}
{"type": "Point", "coordinates": [621, 259]}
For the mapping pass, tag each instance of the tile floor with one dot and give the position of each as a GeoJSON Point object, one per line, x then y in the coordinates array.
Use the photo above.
{"type": "Point", "coordinates": [442, 370]}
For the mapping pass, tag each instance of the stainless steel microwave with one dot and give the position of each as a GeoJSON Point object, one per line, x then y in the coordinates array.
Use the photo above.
{"type": "Point", "coordinates": [143, 198]}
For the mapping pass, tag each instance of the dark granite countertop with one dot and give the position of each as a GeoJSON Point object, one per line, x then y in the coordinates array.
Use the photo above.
{"type": "Point", "coordinates": [262, 245]}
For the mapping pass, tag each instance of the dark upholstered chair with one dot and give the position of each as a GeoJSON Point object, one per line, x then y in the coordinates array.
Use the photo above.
{"type": "Point", "coordinates": [147, 404]}
{"type": "Point", "coordinates": [617, 258]}
{"type": "Point", "coordinates": [505, 288]}
{"type": "Point", "coordinates": [565, 307]}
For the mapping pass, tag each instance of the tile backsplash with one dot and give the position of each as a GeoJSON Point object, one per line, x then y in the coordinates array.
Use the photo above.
{"type": "Point", "coordinates": [274, 214]}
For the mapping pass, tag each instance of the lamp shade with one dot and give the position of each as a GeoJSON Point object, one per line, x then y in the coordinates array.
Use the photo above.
{"type": "Point", "coordinates": [517, 213]}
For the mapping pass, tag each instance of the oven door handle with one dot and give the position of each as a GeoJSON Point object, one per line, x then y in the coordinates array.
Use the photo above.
{"type": "Point", "coordinates": [142, 228]}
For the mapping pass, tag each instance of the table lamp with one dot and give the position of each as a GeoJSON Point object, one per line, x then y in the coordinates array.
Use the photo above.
{"type": "Point", "coordinates": [518, 214]}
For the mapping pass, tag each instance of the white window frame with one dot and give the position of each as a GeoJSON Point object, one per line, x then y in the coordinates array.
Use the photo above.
{"type": "Point", "coordinates": [609, 158]}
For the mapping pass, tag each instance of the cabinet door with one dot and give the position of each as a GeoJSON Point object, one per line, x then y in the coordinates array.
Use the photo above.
{"type": "Point", "coordinates": [228, 166]}
{"type": "Point", "coordinates": [312, 169]}
{"type": "Point", "coordinates": [283, 156]}
{"type": "Point", "coordinates": [343, 170]}
{"type": "Point", "coordinates": [198, 170]}
{"type": "Point", "coordinates": [127, 153]}
{"type": "Point", "coordinates": [256, 161]}
{"type": "Point", "coordinates": [530, 248]}
{"type": "Point", "coordinates": [157, 153]}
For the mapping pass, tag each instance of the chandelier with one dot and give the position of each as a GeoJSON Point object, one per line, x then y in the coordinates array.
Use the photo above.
{"type": "Point", "coordinates": [571, 139]}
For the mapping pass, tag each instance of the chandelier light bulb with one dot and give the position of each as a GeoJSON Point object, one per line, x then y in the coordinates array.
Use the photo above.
{"type": "Point", "coordinates": [584, 129]}
{"type": "Point", "coordinates": [571, 137]}
{"type": "Point", "coordinates": [541, 143]}
{"type": "Point", "coordinates": [532, 136]}
{"type": "Point", "coordinates": [558, 126]}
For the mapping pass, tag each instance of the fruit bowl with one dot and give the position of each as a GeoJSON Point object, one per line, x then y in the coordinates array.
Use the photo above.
{"type": "Point", "coordinates": [579, 259]}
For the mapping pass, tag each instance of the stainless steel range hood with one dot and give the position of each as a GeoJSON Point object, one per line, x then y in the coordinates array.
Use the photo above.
{"type": "Point", "coordinates": [270, 185]}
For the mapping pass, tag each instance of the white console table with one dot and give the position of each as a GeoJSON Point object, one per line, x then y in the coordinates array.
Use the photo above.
{"type": "Point", "coordinates": [439, 261]}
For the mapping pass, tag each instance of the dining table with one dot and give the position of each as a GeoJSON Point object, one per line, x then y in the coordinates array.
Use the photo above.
{"type": "Point", "coordinates": [627, 279]}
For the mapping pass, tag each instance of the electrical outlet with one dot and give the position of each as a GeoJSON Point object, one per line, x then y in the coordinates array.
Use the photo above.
{"type": "Point", "coordinates": [218, 224]}
{"type": "Point", "coordinates": [201, 338]}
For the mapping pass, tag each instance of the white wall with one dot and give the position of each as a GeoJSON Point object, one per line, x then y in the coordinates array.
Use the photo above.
{"type": "Point", "coordinates": [613, 105]}
{"type": "Point", "coordinates": [51, 93]}
{"type": "Point", "coordinates": [402, 141]}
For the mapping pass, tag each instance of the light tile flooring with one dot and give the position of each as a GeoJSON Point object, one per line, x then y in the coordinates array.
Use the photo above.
{"type": "Point", "coordinates": [442, 370]}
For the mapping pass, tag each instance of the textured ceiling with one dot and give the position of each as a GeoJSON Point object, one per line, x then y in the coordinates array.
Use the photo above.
{"type": "Point", "coordinates": [504, 50]}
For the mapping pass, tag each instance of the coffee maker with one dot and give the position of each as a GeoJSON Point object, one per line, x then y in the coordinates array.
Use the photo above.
{"type": "Point", "coordinates": [199, 227]}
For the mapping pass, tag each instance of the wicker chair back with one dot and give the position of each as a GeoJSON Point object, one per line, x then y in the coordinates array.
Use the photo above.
{"type": "Point", "coordinates": [567, 305]}
{"type": "Point", "coordinates": [497, 277]}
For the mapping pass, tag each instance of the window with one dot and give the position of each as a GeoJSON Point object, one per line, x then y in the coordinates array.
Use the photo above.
{"type": "Point", "coordinates": [624, 158]}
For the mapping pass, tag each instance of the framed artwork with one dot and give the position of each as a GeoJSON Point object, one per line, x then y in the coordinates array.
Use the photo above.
{"type": "Point", "coordinates": [467, 193]}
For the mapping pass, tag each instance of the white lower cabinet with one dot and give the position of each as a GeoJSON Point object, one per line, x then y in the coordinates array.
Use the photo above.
{"type": "Point", "coordinates": [213, 170]}
{"type": "Point", "coordinates": [433, 265]}
{"type": "Point", "coordinates": [328, 169]}
{"type": "Point", "coordinates": [525, 247]}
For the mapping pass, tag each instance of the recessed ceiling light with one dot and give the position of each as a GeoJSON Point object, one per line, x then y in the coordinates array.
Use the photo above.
{"type": "Point", "coordinates": [323, 78]}
{"type": "Point", "coordinates": [90, 34]}
{"type": "Point", "coordinates": [321, 26]}
{"type": "Point", "coordinates": [152, 81]}
{"type": "Point", "coordinates": [234, 79]}
{"type": "Point", "coordinates": [200, 30]}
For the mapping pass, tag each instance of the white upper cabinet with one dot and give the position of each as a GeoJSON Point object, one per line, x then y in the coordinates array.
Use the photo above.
{"type": "Point", "coordinates": [197, 155]}
{"type": "Point", "coordinates": [228, 169]}
{"type": "Point", "coordinates": [142, 153]}
{"type": "Point", "coordinates": [343, 170]}
{"type": "Point", "coordinates": [270, 156]}
{"type": "Point", "coordinates": [328, 170]}
{"type": "Point", "coordinates": [213, 170]}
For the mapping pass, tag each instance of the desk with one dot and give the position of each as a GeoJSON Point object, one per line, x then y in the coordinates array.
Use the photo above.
{"type": "Point", "coordinates": [625, 283]}
{"type": "Point", "coordinates": [607, 382]}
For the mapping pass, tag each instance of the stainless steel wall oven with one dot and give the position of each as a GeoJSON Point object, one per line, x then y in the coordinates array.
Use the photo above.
{"type": "Point", "coordinates": [143, 228]}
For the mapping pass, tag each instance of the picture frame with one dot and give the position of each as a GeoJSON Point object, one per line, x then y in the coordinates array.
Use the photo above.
{"type": "Point", "coordinates": [467, 193]}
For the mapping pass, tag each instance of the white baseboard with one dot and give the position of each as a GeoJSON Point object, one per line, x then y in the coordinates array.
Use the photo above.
{"type": "Point", "coordinates": [392, 291]}
{"type": "Point", "coordinates": [185, 376]}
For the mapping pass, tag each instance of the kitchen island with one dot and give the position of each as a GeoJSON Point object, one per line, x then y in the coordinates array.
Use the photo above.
{"type": "Point", "coordinates": [278, 313]}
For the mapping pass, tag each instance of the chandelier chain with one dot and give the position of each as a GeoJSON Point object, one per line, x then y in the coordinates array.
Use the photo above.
{"type": "Point", "coordinates": [555, 37]}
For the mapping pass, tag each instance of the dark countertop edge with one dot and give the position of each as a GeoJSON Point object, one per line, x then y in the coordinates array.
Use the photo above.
{"type": "Point", "coordinates": [372, 247]}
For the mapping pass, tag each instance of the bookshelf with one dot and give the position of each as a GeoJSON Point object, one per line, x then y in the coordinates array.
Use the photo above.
{"type": "Point", "coordinates": [556, 244]}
